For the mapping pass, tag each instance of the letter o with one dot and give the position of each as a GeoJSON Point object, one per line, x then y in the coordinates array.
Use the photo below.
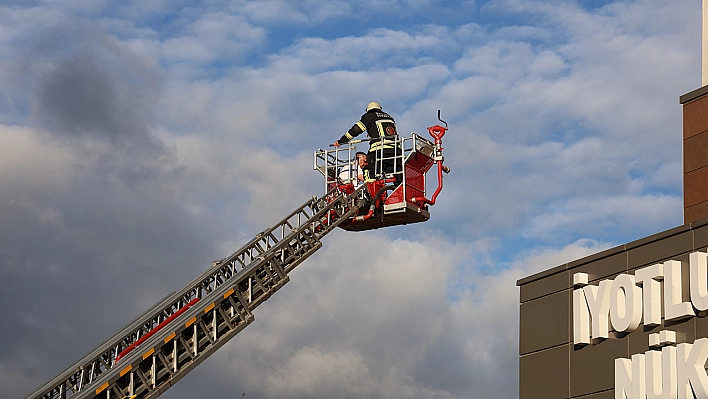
{"type": "Point", "coordinates": [625, 304]}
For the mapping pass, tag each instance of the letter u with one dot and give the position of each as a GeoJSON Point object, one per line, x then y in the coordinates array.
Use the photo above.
{"type": "Point", "coordinates": [661, 373]}
{"type": "Point", "coordinates": [699, 280]}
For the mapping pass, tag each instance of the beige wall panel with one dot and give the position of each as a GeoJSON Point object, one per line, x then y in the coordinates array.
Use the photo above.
{"type": "Point", "coordinates": [544, 322]}
{"type": "Point", "coordinates": [544, 375]}
{"type": "Point", "coordinates": [593, 366]}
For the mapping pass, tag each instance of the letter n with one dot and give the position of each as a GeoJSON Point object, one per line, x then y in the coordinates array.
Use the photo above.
{"type": "Point", "coordinates": [630, 382]}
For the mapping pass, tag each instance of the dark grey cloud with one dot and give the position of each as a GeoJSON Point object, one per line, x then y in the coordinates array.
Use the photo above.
{"type": "Point", "coordinates": [80, 259]}
{"type": "Point", "coordinates": [109, 253]}
{"type": "Point", "coordinates": [68, 76]}
{"type": "Point", "coordinates": [101, 91]}
{"type": "Point", "coordinates": [80, 98]}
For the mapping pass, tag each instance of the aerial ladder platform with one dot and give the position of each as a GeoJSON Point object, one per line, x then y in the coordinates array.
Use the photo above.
{"type": "Point", "coordinates": [149, 355]}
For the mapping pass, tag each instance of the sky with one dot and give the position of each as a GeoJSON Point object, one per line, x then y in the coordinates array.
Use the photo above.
{"type": "Point", "coordinates": [142, 139]}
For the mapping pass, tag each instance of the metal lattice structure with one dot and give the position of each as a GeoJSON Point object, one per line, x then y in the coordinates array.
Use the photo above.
{"type": "Point", "coordinates": [330, 162]}
{"type": "Point", "coordinates": [174, 336]}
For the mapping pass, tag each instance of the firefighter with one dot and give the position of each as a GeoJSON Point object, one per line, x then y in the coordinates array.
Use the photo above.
{"type": "Point", "coordinates": [384, 154]}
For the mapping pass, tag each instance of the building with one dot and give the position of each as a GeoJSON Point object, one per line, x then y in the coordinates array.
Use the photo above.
{"type": "Point", "coordinates": [632, 321]}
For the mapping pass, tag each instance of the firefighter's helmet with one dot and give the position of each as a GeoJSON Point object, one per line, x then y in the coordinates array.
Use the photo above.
{"type": "Point", "coordinates": [373, 105]}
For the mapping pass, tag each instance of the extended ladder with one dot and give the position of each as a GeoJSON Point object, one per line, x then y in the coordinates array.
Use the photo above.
{"type": "Point", "coordinates": [174, 336]}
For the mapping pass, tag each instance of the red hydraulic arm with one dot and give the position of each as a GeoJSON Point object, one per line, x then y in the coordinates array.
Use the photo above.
{"type": "Point", "coordinates": [437, 132]}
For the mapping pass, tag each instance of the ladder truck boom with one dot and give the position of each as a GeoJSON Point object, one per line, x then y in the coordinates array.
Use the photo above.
{"type": "Point", "coordinates": [222, 301]}
{"type": "Point", "coordinates": [149, 355]}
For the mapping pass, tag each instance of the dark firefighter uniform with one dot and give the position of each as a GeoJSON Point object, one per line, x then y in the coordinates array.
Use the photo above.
{"type": "Point", "coordinates": [381, 128]}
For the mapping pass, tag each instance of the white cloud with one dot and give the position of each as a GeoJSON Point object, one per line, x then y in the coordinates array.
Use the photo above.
{"type": "Point", "coordinates": [28, 162]}
{"type": "Point", "coordinates": [646, 213]}
{"type": "Point", "coordinates": [379, 49]}
{"type": "Point", "coordinates": [364, 326]}
{"type": "Point", "coordinates": [318, 12]}
{"type": "Point", "coordinates": [311, 372]}
{"type": "Point", "coordinates": [274, 12]}
{"type": "Point", "coordinates": [211, 38]}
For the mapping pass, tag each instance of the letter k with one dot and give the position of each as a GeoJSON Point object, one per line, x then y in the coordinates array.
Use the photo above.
{"type": "Point", "coordinates": [691, 373]}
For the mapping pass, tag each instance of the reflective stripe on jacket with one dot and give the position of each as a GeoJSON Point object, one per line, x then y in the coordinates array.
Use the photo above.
{"type": "Point", "coordinates": [378, 125]}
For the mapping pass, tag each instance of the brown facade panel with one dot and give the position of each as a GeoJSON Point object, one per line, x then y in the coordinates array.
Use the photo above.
{"type": "Point", "coordinates": [695, 117]}
{"type": "Point", "coordinates": [544, 322]}
{"type": "Point", "coordinates": [592, 367]}
{"type": "Point", "coordinates": [595, 257]}
{"type": "Point", "coordinates": [600, 395]}
{"type": "Point", "coordinates": [602, 268]}
{"type": "Point", "coordinates": [695, 187]}
{"type": "Point", "coordinates": [695, 152]}
{"type": "Point", "coordinates": [544, 286]}
{"type": "Point", "coordinates": [701, 327]}
{"type": "Point", "coordinates": [661, 250]}
{"type": "Point", "coordinates": [544, 375]}
{"type": "Point", "coordinates": [540, 275]}
{"type": "Point", "coordinates": [639, 339]}
{"type": "Point", "coordinates": [657, 237]}
{"type": "Point", "coordinates": [700, 236]}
